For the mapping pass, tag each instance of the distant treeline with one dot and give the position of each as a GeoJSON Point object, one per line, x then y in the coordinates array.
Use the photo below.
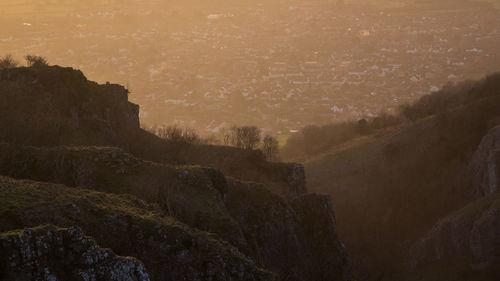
{"type": "Point", "coordinates": [244, 137]}
{"type": "Point", "coordinates": [314, 140]}
{"type": "Point", "coordinates": [8, 61]}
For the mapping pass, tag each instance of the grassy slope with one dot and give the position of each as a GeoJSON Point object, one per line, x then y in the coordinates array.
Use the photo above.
{"type": "Point", "coordinates": [389, 190]}
{"type": "Point", "coordinates": [122, 222]}
{"type": "Point", "coordinates": [191, 194]}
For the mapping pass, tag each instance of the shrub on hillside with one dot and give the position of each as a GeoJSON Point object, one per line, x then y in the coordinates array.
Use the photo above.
{"type": "Point", "coordinates": [35, 61]}
{"type": "Point", "coordinates": [8, 62]}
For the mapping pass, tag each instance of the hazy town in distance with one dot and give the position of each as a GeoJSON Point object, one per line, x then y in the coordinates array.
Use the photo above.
{"type": "Point", "coordinates": [280, 65]}
{"type": "Point", "coordinates": [250, 140]}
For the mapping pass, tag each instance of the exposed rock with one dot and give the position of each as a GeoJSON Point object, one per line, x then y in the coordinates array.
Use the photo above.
{"type": "Point", "coordinates": [324, 255]}
{"type": "Point", "coordinates": [484, 169]}
{"type": "Point", "coordinates": [297, 240]}
{"type": "Point", "coordinates": [284, 179]}
{"type": "Point", "coordinates": [48, 253]}
{"type": "Point", "coordinates": [54, 105]}
{"type": "Point", "coordinates": [471, 233]}
{"type": "Point", "coordinates": [51, 106]}
{"type": "Point", "coordinates": [258, 222]}
{"type": "Point", "coordinates": [296, 181]}
{"type": "Point", "coordinates": [170, 250]}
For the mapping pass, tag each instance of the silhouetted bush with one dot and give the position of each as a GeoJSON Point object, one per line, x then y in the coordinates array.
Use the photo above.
{"type": "Point", "coordinates": [8, 62]}
{"type": "Point", "coordinates": [35, 61]}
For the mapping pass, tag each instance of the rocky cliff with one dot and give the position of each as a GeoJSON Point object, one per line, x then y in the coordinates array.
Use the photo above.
{"type": "Point", "coordinates": [277, 233]}
{"type": "Point", "coordinates": [47, 253]}
{"type": "Point", "coordinates": [470, 235]}
{"type": "Point", "coordinates": [54, 129]}
{"type": "Point", "coordinates": [169, 249]}
{"type": "Point", "coordinates": [55, 105]}
{"type": "Point", "coordinates": [484, 169]}
{"type": "Point", "coordinates": [47, 106]}
{"type": "Point", "coordinates": [300, 233]}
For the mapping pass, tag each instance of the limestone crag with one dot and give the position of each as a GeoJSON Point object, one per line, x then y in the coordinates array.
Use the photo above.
{"type": "Point", "coordinates": [279, 234]}
{"type": "Point", "coordinates": [484, 169]}
{"type": "Point", "coordinates": [300, 234]}
{"type": "Point", "coordinates": [58, 127]}
{"type": "Point", "coordinates": [48, 253]}
{"type": "Point", "coordinates": [56, 105]}
{"type": "Point", "coordinates": [470, 233]}
{"type": "Point", "coordinates": [169, 249]}
{"type": "Point", "coordinates": [317, 232]}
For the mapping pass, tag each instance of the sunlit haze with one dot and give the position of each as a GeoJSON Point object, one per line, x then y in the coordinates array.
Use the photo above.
{"type": "Point", "coordinates": [250, 140]}
{"type": "Point", "coordinates": [279, 65]}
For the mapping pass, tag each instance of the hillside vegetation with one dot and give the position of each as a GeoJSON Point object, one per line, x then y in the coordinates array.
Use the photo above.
{"type": "Point", "coordinates": [390, 188]}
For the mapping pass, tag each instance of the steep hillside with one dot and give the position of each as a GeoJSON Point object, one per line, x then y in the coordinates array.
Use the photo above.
{"type": "Point", "coordinates": [52, 105]}
{"type": "Point", "coordinates": [390, 189]}
{"type": "Point", "coordinates": [57, 127]}
{"type": "Point", "coordinates": [199, 197]}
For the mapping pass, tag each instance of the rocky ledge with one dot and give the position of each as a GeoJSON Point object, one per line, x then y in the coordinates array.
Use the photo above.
{"type": "Point", "coordinates": [47, 253]}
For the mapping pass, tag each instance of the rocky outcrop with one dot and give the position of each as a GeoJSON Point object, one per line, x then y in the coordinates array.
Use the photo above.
{"type": "Point", "coordinates": [296, 180]}
{"type": "Point", "coordinates": [296, 239]}
{"type": "Point", "coordinates": [484, 168]}
{"type": "Point", "coordinates": [284, 179]}
{"type": "Point", "coordinates": [48, 253]}
{"type": "Point", "coordinates": [277, 233]}
{"type": "Point", "coordinates": [170, 250]}
{"type": "Point", "coordinates": [54, 105]}
{"type": "Point", "coordinates": [324, 255]}
{"type": "Point", "coordinates": [48, 107]}
{"type": "Point", "coordinates": [470, 233]}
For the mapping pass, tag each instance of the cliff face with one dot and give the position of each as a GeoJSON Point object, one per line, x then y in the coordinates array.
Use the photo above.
{"type": "Point", "coordinates": [285, 179]}
{"type": "Point", "coordinates": [169, 249]}
{"type": "Point", "coordinates": [471, 233]}
{"type": "Point", "coordinates": [273, 225]}
{"type": "Point", "coordinates": [48, 253]}
{"type": "Point", "coordinates": [277, 233]}
{"type": "Point", "coordinates": [299, 233]}
{"type": "Point", "coordinates": [52, 105]}
{"type": "Point", "coordinates": [55, 105]}
{"type": "Point", "coordinates": [484, 169]}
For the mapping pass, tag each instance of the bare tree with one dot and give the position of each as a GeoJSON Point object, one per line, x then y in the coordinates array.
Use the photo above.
{"type": "Point", "coordinates": [35, 61]}
{"type": "Point", "coordinates": [270, 147]}
{"type": "Point", "coordinates": [246, 137]}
